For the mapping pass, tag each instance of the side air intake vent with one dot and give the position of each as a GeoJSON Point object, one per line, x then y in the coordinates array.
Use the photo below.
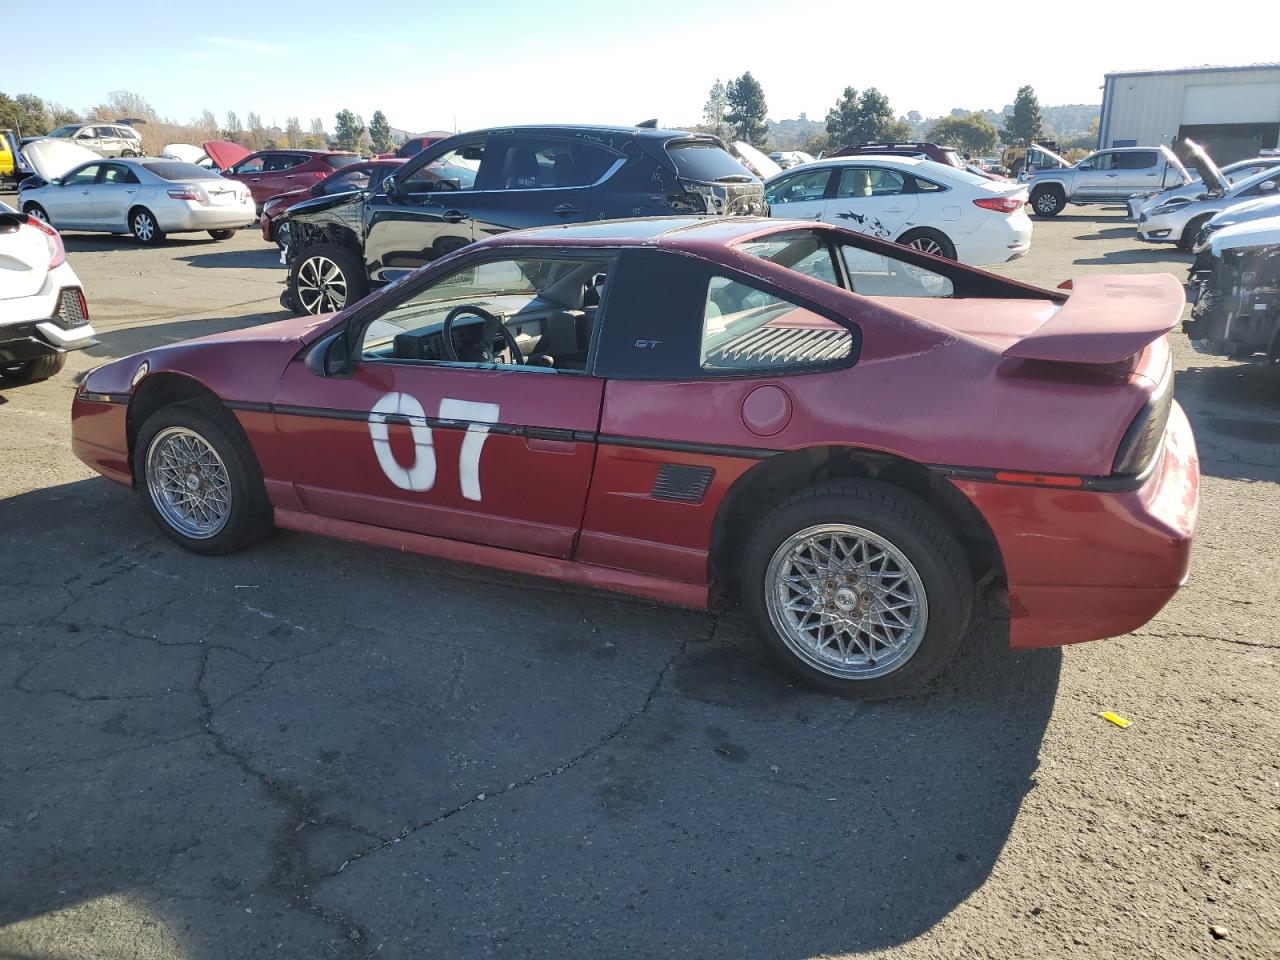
{"type": "Point", "coordinates": [682, 483]}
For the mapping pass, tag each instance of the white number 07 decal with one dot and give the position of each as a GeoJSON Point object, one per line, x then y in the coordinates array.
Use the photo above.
{"type": "Point", "coordinates": [421, 474]}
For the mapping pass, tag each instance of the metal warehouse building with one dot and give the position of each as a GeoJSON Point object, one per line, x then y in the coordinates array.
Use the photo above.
{"type": "Point", "coordinates": [1232, 111]}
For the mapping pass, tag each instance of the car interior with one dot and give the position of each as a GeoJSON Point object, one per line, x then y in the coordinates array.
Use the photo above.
{"type": "Point", "coordinates": [538, 314]}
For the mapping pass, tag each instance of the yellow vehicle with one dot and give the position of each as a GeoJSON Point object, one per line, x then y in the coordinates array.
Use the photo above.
{"type": "Point", "coordinates": [8, 155]}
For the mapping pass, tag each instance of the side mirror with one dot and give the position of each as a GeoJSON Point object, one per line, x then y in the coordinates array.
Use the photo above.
{"type": "Point", "coordinates": [391, 188]}
{"type": "Point", "coordinates": [330, 356]}
{"type": "Point", "coordinates": [1085, 165]}
{"type": "Point", "coordinates": [1267, 186]}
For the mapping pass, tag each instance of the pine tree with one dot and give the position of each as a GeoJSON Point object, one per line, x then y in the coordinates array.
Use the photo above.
{"type": "Point", "coordinates": [348, 130]}
{"type": "Point", "coordinates": [714, 110]}
{"type": "Point", "coordinates": [1024, 124]}
{"type": "Point", "coordinates": [747, 110]}
{"type": "Point", "coordinates": [380, 132]}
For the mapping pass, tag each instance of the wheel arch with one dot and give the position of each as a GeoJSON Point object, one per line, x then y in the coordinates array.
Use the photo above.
{"type": "Point", "coordinates": [764, 486]}
{"type": "Point", "coordinates": [162, 389]}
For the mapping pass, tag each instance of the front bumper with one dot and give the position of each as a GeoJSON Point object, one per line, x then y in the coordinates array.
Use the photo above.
{"type": "Point", "coordinates": [1084, 565]}
{"type": "Point", "coordinates": [1164, 228]}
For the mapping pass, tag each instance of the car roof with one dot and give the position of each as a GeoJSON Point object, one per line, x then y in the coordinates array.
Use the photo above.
{"type": "Point", "coordinates": [570, 129]}
{"type": "Point", "coordinates": [679, 233]}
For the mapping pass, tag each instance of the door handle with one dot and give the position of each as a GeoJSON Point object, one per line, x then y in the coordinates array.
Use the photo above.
{"type": "Point", "coordinates": [85, 192]}
{"type": "Point", "coordinates": [895, 209]}
{"type": "Point", "coordinates": [255, 179]}
{"type": "Point", "coordinates": [1113, 174]}
{"type": "Point", "coordinates": [131, 190]}
{"type": "Point", "coordinates": [453, 216]}
{"type": "Point", "coordinates": [567, 209]}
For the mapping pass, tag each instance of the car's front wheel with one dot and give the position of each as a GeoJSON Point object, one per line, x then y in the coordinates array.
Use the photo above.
{"type": "Point", "coordinates": [326, 278]}
{"type": "Point", "coordinates": [1048, 201]}
{"type": "Point", "coordinates": [199, 479]}
{"type": "Point", "coordinates": [36, 211]}
{"type": "Point", "coordinates": [1191, 232]}
{"type": "Point", "coordinates": [29, 371]}
{"type": "Point", "coordinates": [144, 227]}
{"type": "Point", "coordinates": [858, 588]}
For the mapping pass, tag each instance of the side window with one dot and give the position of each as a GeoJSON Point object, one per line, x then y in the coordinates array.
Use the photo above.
{"type": "Point", "coordinates": [927, 186]}
{"type": "Point", "coordinates": [84, 176]}
{"type": "Point", "coordinates": [86, 133]}
{"type": "Point", "coordinates": [249, 165]}
{"type": "Point", "coordinates": [1136, 160]}
{"type": "Point", "coordinates": [115, 173]}
{"type": "Point", "coordinates": [456, 169]}
{"type": "Point", "coordinates": [547, 307]}
{"type": "Point", "coordinates": [345, 182]}
{"type": "Point", "coordinates": [804, 251]}
{"type": "Point", "coordinates": [538, 164]}
{"type": "Point", "coordinates": [1104, 161]}
{"type": "Point", "coordinates": [870, 182]}
{"type": "Point", "coordinates": [876, 275]}
{"type": "Point", "coordinates": [810, 185]}
{"type": "Point", "coordinates": [748, 330]}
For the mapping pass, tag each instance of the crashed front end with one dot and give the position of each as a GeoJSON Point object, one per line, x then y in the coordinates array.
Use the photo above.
{"type": "Point", "coordinates": [1236, 297]}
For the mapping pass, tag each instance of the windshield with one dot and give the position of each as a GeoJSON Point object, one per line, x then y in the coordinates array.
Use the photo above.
{"type": "Point", "coordinates": [64, 131]}
{"type": "Point", "coordinates": [1257, 178]}
{"type": "Point", "coordinates": [338, 161]}
{"type": "Point", "coordinates": [706, 161]}
{"type": "Point", "coordinates": [176, 170]}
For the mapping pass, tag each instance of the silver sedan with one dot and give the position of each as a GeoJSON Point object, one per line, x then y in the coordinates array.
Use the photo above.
{"type": "Point", "coordinates": [145, 197]}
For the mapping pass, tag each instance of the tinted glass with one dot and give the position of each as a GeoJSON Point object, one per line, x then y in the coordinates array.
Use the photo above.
{"type": "Point", "coordinates": [63, 131]}
{"type": "Point", "coordinates": [699, 160]}
{"type": "Point", "coordinates": [804, 251]}
{"type": "Point", "coordinates": [537, 164]}
{"type": "Point", "coordinates": [928, 186]}
{"type": "Point", "coordinates": [745, 329]}
{"type": "Point", "coordinates": [1137, 160]}
{"type": "Point", "coordinates": [876, 275]}
{"type": "Point", "coordinates": [114, 173]}
{"type": "Point", "coordinates": [810, 185]}
{"type": "Point", "coordinates": [342, 160]}
{"type": "Point", "coordinates": [870, 182]}
{"type": "Point", "coordinates": [1104, 161]}
{"type": "Point", "coordinates": [177, 170]}
{"type": "Point", "coordinates": [455, 170]}
{"type": "Point", "coordinates": [249, 165]}
{"type": "Point", "coordinates": [352, 180]}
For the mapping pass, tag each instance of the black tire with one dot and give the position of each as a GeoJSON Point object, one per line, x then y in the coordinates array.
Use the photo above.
{"type": "Point", "coordinates": [250, 517]}
{"type": "Point", "coordinates": [222, 234]}
{"type": "Point", "coordinates": [127, 153]}
{"type": "Point", "coordinates": [37, 211]}
{"type": "Point", "coordinates": [315, 297]}
{"type": "Point", "coordinates": [30, 371]}
{"type": "Point", "coordinates": [1048, 201]}
{"type": "Point", "coordinates": [144, 227]}
{"type": "Point", "coordinates": [1191, 231]}
{"type": "Point", "coordinates": [913, 528]}
{"type": "Point", "coordinates": [926, 240]}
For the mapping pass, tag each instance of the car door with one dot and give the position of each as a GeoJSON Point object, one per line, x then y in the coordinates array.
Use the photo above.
{"type": "Point", "coordinates": [489, 453]}
{"type": "Point", "coordinates": [71, 205]}
{"type": "Point", "coordinates": [276, 177]}
{"type": "Point", "coordinates": [249, 172]}
{"type": "Point", "coordinates": [88, 138]}
{"type": "Point", "coordinates": [878, 201]}
{"type": "Point", "coordinates": [1137, 171]}
{"type": "Point", "coordinates": [801, 195]}
{"type": "Point", "coordinates": [1095, 177]}
{"type": "Point", "coordinates": [429, 215]}
{"type": "Point", "coordinates": [113, 195]}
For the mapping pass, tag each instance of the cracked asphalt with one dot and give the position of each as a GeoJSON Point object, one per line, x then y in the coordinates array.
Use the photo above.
{"type": "Point", "coordinates": [313, 749]}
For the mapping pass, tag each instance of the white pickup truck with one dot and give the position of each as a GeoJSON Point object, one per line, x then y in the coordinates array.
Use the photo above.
{"type": "Point", "coordinates": [1107, 176]}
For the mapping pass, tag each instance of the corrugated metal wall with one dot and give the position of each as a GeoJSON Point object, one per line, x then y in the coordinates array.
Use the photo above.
{"type": "Point", "coordinates": [1149, 108]}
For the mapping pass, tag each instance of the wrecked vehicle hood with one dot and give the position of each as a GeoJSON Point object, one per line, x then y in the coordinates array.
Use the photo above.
{"type": "Point", "coordinates": [225, 153]}
{"type": "Point", "coordinates": [754, 160]}
{"type": "Point", "coordinates": [1242, 236]}
{"type": "Point", "coordinates": [51, 159]}
{"type": "Point", "coordinates": [1247, 212]}
{"type": "Point", "coordinates": [185, 152]}
{"type": "Point", "coordinates": [1174, 163]}
{"type": "Point", "coordinates": [1214, 182]}
{"type": "Point", "coordinates": [319, 204]}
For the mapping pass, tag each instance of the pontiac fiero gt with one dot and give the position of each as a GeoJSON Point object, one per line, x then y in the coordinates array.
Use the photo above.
{"type": "Point", "coordinates": [849, 435]}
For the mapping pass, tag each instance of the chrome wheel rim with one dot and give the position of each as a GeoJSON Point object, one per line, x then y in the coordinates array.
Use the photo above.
{"type": "Point", "coordinates": [846, 601]}
{"type": "Point", "coordinates": [926, 245]}
{"type": "Point", "coordinates": [143, 227]}
{"type": "Point", "coordinates": [189, 483]}
{"type": "Point", "coordinates": [322, 286]}
{"type": "Point", "coordinates": [1046, 203]}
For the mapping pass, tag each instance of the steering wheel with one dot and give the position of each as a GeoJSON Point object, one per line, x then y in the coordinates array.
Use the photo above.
{"type": "Point", "coordinates": [493, 327]}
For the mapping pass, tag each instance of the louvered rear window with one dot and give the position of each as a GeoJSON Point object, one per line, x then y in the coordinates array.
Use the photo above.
{"type": "Point", "coordinates": [745, 329]}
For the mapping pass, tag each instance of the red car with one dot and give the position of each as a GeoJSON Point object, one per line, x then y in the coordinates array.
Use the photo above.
{"type": "Point", "coordinates": [271, 172]}
{"type": "Point", "coordinates": [846, 433]}
{"type": "Point", "coordinates": [355, 176]}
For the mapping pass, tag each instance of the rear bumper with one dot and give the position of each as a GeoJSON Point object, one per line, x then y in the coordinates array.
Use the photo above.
{"type": "Point", "coordinates": [1085, 565]}
{"type": "Point", "coordinates": [998, 239]}
{"type": "Point", "coordinates": [185, 216]}
{"type": "Point", "coordinates": [52, 321]}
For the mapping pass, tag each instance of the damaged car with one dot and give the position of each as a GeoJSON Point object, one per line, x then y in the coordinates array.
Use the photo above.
{"type": "Point", "coordinates": [478, 184]}
{"type": "Point", "coordinates": [1235, 286]}
{"type": "Point", "coordinates": [1233, 172]}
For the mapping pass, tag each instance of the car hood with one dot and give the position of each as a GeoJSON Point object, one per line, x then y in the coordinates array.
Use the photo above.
{"type": "Point", "coordinates": [1252, 233]}
{"type": "Point", "coordinates": [327, 202]}
{"type": "Point", "coordinates": [1258, 209]}
{"type": "Point", "coordinates": [185, 152]}
{"type": "Point", "coordinates": [754, 160]}
{"type": "Point", "coordinates": [225, 153]}
{"type": "Point", "coordinates": [1215, 183]}
{"type": "Point", "coordinates": [286, 199]}
{"type": "Point", "coordinates": [51, 159]}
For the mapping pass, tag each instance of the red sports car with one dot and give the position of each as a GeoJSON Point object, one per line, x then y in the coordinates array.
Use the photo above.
{"type": "Point", "coordinates": [271, 172]}
{"type": "Point", "coordinates": [847, 434]}
{"type": "Point", "coordinates": [355, 176]}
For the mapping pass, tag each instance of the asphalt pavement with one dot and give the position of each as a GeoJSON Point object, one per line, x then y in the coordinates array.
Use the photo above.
{"type": "Point", "coordinates": [313, 749]}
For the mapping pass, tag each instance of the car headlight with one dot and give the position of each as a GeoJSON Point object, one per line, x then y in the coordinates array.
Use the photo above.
{"type": "Point", "coordinates": [1167, 208]}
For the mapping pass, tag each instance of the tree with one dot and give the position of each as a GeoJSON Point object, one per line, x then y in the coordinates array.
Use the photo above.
{"type": "Point", "coordinates": [714, 110]}
{"type": "Point", "coordinates": [348, 130]}
{"type": "Point", "coordinates": [60, 116]}
{"type": "Point", "coordinates": [1024, 124]}
{"type": "Point", "coordinates": [747, 110]}
{"type": "Point", "coordinates": [25, 113]}
{"type": "Point", "coordinates": [862, 118]}
{"type": "Point", "coordinates": [293, 132]}
{"type": "Point", "coordinates": [127, 104]}
{"type": "Point", "coordinates": [233, 131]}
{"type": "Point", "coordinates": [207, 125]}
{"type": "Point", "coordinates": [380, 133]}
{"type": "Point", "coordinates": [254, 133]}
{"type": "Point", "coordinates": [972, 133]}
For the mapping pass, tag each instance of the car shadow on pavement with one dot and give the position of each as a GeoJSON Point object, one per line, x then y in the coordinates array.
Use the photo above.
{"type": "Point", "coordinates": [1234, 408]}
{"type": "Point", "coordinates": [346, 752]}
{"type": "Point", "coordinates": [102, 242]}
{"type": "Point", "coordinates": [1108, 233]}
{"type": "Point", "coordinates": [264, 257]}
{"type": "Point", "coordinates": [121, 342]}
{"type": "Point", "coordinates": [1117, 258]}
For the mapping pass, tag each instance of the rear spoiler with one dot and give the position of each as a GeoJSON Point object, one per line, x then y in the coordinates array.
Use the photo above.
{"type": "Point", "coordinates": [1105, 320]}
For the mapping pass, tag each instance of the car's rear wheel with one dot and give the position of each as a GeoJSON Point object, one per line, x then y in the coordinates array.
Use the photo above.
{"type": "Point", "coordinates": [1191, 232]}
{"type": "Point", "coordinates": [37, 211]}
{"type": "Point", "coordinates": [1048, 201]}
{"type": "Point", "coordinates": [222, 234]}
{"type": "Point", "coordinates": [127, 153]}
{"type": "Point", "coordinates": [199, 479]}
{"type": "Point", "coordinates": [29, 371]}
{"type": "Point", "coordinates": [858, 588]}
{"type": "Point", "coordinates": [326, 278]}
{"type": "Point", "coordinates": [929, 241]}
{"type": "Point", "coordinates": [144, 227]}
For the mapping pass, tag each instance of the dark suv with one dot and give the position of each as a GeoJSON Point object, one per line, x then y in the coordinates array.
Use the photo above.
{"type": "Point", "coordinates": [474, 185]}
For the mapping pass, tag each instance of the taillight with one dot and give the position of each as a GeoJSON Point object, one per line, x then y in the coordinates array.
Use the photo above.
{"type": "Point", "coordinates": [1001, 204]}
{"type": "Point", "coordinates": [57, 252]}
{"type": "Point", "coordinates": [188, 192]}
{"type": "Point", "coordinates": [1141, 442]}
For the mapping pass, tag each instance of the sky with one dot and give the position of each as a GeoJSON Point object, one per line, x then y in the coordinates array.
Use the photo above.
{"type": "Point", "coordinates": [488, 62]}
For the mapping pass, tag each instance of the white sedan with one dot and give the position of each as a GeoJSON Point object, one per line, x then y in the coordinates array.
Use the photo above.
{"type": "Point", "coordinates": [147, 197]}
{"type": "Point", "coordinates": [932, 207]}
{"type": "Point", "coordinates": [42, 307]}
